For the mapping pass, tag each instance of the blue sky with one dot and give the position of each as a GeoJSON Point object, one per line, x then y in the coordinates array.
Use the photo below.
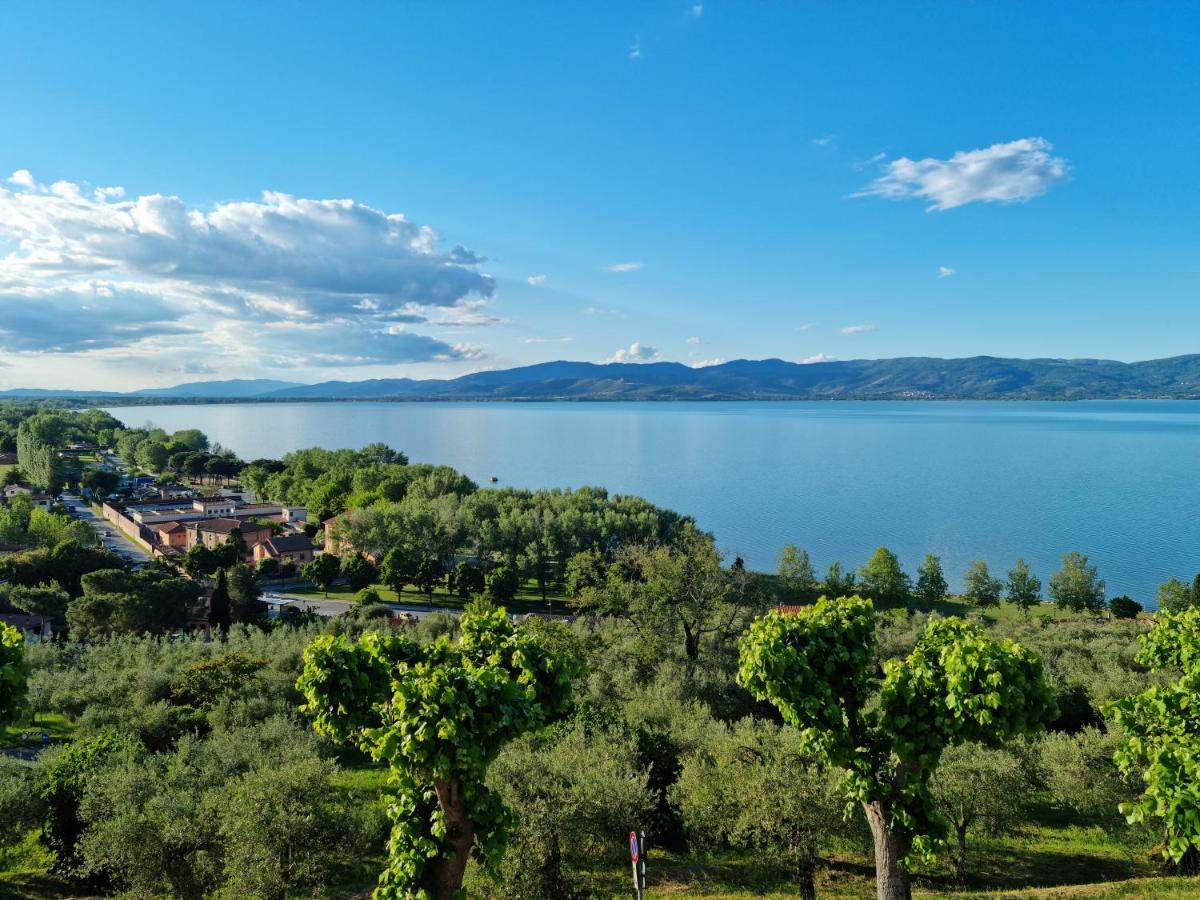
{"type": "Point", "coordinates": [767, 180]}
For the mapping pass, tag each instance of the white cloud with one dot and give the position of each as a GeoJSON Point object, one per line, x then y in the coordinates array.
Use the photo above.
{"type": "Point", "coordinates": [818, 358]}
{"type": "Point", "coordinates": [599, 311]}
{"type": "Point", "coordinates": [693, 340]}
{"type": "Point", "coordinates": [286, 278]}
{"type": "Point", "coordinates": [624, 266]}
{"type": "Point", "coordinates": [946, 271]}
{"type": "Point", "coordinates": [705, 363]}
{"type": "Point", "coordinates": [635, 51]}
{"type": "Point", "coordinates": [1002, 173]}
{"type": "Point", "coordinates": [635, 353]}
{"type": "Point", "coordinates": [823, 141]}
{"type": "Point", "coordinates": [805, 326]}
{"type": "Point", "coordinates": [697, 9]}
{"type": "Point", "coordinates": [857, 329]}
{"type": "Point", "coordinates": [547, 340]}
{"type": "Point", "coordinates": [536, 280]}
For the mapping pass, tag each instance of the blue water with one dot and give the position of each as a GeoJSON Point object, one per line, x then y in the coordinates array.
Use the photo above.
{"type": "Point", "coordinates": [1116, 480]}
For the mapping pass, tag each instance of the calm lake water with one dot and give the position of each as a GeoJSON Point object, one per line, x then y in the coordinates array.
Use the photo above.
{"type": "Point", "coordinates": [1115, 480]}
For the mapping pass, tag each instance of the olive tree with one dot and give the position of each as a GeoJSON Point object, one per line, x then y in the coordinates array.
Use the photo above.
{"type": "Point", "coordinates": [887, 731]}
{"type": "Point", "coordinates": [1162, 741]}
{"type": "Point", "coordinates": [14, 675]}
{"type": "Point", "coordinates": [754, 788]}
{"type": "Point", "coordinates": [437, 714]}
{"type": "Point", "coordinates": [979, 790]}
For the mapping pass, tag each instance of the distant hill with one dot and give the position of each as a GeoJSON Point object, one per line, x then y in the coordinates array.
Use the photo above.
{"type": "Point", "coordinates": [235, 388]}
{"type": "Point", "coordinates": [975, 378]}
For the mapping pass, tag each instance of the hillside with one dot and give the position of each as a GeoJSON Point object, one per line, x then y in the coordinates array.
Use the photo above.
{"type": "Point", "coordinates": [973, 378]}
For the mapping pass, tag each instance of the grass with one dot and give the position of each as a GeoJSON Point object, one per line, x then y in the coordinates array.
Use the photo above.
{"type": "Point", "coordinates": [528, 597]}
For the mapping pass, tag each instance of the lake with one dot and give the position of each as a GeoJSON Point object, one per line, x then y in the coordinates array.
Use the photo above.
{"type": "Point", "coordinates": [1116, 480]}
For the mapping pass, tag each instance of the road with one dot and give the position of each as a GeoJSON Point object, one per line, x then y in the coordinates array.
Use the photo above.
{"type": "Point", "coordinates": [324, 607]}
{"type": "Point", "coordinates": [109, 536]}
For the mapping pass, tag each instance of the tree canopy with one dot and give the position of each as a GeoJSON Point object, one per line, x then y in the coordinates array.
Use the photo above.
{"type": "Point", "coordinates": [437, 714]}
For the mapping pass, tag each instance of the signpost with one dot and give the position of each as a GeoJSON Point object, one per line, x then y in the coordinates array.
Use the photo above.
{"type": "Point", "coordinates": [637, 854]}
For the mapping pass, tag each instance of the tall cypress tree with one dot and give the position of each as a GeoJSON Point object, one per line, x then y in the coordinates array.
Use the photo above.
{"type": "Point", "coordinates": [218, 607]}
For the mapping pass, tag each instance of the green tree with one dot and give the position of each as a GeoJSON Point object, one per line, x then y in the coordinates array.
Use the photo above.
{"type": "Point", "coordinates": [755, 789]}
{"type": "Point", "coordinates": [838, 583]}
{"type": "Point", "coordinates": [14, 676]}
{"type": "Point", "coordinates": [63, 776]}
{"type": "Point", "coordinates": [437, 714]}
{"type": "Point", "coordinates": [48, 600]}
{"type": "Point", "coordinates": [1024, 588]}
{"type": "Point", "coordinates": [1196, 590]}
{"type": "Point", "coordinates": [882, 579]}
{"type": "Point", "coordinates": [978, 790]}
{"type": "Point", "coordinates": [586, 570]}
{"type": "Point", "coordinates": [245, 596]}
{"type": "Point", "coordinates": [1123, 607]}
{"type": "Point", "coordinates": [931, 580]}
{"type": "Point", "coordinates": [980, 587]}
{"type": "Point", "coordinates": [268, 568]}
{"type": "Point", "coordinates": [796, 575]}
{"type": "Point", "coordinates": [220, 616]}
{"type": "Point", "coordinates": [467, 579]}
{"type": "Point", "coordinates": [502, 584]}
{"type": "Point", "coordinates": [428, 575]}
{"type": "Point", "coordinates": [323, 571]}
{"type": "Point", "coordinates": [398, 569]}
{"type": "Point", "coordinates": [100, 482]}
{"type": "Point", "coordinates": [1174, 596]}
{"type": "Point", "coordinates": [956, 686]}
{"type": "Point", "coordinates": [1162, 727]}
{"type": "Point", "coordinates": [1077, 585]}
{"type": "Point", "coordinates": [358, 571]}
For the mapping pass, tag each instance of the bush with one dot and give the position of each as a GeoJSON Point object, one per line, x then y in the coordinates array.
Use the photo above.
{"type": "Point", "coordinates": [1123, 607]}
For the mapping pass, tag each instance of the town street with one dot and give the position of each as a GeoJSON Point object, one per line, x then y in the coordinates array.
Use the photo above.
{"type": "Point", "coordinates": [109, 536]}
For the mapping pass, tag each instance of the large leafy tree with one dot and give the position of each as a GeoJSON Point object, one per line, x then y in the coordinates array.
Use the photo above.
{"type": "Point", "coordinates": [437, 714]}
{"type": "Point", "coordinates": [1162, 726]}
{"type": "Point", "coordinates": [981, 588]}
{"type": "Point", "coordinates": [796, 575]}
{"type": "Point", "coordinates": [887, 733]}
{"type": "Point", "coordinates": [931, 580]}
{"type": "Point", "coordinates": [1023, 588]}
{"type": "Point", "coordinates": [14, 675]}
{"type": "Point", "coordinates": [1077, 586]}
{"type": "Point", "coordinates": [882, 577]}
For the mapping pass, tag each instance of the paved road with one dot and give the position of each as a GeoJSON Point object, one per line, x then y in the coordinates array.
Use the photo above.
{"type": "Point", "coordinates": [110, 537]}
{"type": "Point", "coordinates": [323, 607]}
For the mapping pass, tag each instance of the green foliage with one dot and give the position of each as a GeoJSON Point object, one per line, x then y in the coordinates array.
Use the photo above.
{"type": "Point", "coordinates": [569, 793]}
{"type": "Point", "coordinates": [931, 580]}
{"type": "Point", "coordinates": [796, 575]}
{"type": "Point", "coordinates": [1080, 774]}
{"type": "Point", "coordinates": [358, 571]}
{"type": "Point", "coordinates": [1123, 607]}
{"type": "Point", "coordinates": [219, 614]}
{"type": "Point", "coordinates": [63, 776]}
{"type": "Point", "coordinates": [38, 441]}
{"type": "Point", "coordinates": [838, 583]}
{"type": "Point", "coordinates": [14, 675]}
{"type": "Point", "coordinates": [1024, 589]}
{"type": "Point", "coordinates": [322, 571]}
{"type": "Point", "coordinates": [979, 790]}
{"type": "Point", "coordinates": [48, 600]}
{"type": "Point", "coordinates": [21, 808]}
{"type": "Point", "coordinates": [1163, 733]}
{"type": "Point", "coordinates": [153, 600]}
{"type": "Point", "coordinates": [1077, 585]}
{"type": "Point", "coordinates": [752, 788]}
{"type": "Point", "coordinates": [502, 584]}
{"type": "Point", "coordinates": [1174, 596]}
{"type": "Point", "coordinates": [437, 715]}
{"type": "Point", "coordinates": [981, 588]}
{"type": "Point", "coordinates": [66, 563]}
{"type": "Point", "coordinates": [467, 579]}
{"type": "Point", "coordinates": [957, 685]}
{"type": "Point", "coordinates": [882, 579]}
{"type": "Point", "coordinates": [245, 596]}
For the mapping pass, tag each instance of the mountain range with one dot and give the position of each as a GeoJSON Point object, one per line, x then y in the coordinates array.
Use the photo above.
{"type": "Point", "coordinates": [975, 378]}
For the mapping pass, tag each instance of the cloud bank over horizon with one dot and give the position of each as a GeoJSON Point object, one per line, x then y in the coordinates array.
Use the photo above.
{"type": "Point", "coordinates": [284, 281]}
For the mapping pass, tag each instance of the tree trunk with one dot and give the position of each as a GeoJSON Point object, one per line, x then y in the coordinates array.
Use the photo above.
{"type": "Point", "coordinates": [691, 648]}
{"type": "Point", "coordinates": [960, 862]}
{"type": "Point", "coordinates": [444, 876]}
{"type": "Point", "coordinates": [891, 881]}
{"type": "Point", "coordinates": [808, 889]}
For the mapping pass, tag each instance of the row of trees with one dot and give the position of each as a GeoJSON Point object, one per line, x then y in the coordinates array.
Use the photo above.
{"type": "Point", "coordinates": [1076, 586]}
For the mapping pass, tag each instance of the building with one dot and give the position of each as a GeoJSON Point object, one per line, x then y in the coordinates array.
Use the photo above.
{"type": "Point", "coordinates": [171, 534]}
{"type": "Point", "coordinates": [212, 533]}
{"type": "Point", "coordinates": [38, 500]}
{"type": "Point", "coordinates": [297, 549]}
